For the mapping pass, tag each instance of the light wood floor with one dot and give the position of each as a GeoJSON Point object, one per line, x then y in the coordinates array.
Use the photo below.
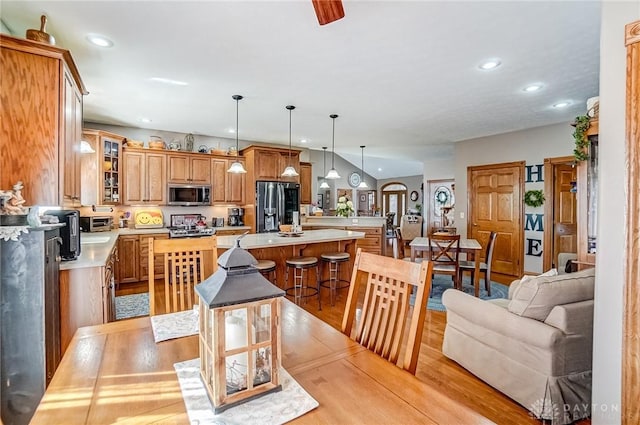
{"type": "Point", "coordinates": [433, 367]}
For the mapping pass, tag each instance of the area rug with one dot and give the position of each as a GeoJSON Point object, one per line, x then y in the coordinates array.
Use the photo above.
{"type": "Point", "coordinates": [271, 409]}
{"type": "Point", "coordinates": [441, 283]}
{"type": "Point", "coordinates": [135, 305]}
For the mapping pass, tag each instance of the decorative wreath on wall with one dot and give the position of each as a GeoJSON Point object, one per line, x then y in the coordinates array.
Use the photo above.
{"type": "Point", "coordinates": [534, 198]}
{"type": "Point", "coordinates": [441, 195]}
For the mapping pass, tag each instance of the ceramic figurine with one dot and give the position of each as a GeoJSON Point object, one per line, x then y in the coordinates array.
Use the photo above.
{"type": "Point", "coordinates": [14, 204]}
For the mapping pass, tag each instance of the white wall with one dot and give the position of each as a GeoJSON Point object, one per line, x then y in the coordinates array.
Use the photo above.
{"type": "Point", "coordinates": [531, 145]}
{"type": "Point", "coordinates": [607, 331]}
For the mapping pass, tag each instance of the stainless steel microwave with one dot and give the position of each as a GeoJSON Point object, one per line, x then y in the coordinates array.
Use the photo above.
{"type": "Point", "coordinates": [189, 195]}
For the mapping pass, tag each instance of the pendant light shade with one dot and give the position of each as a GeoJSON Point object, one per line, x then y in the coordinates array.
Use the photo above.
{"type": "Point", "coordinates": [363, 184]}
{"type": "Point", "coordinates": [324, 184]}
{"type": "Point", "coordinates": [289, 171]}
{"type": "Point", "coordinates": [236, 166]}
{"type": "Point", "coordinates": [333, 174]}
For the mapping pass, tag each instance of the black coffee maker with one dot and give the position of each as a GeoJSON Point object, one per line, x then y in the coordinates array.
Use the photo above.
{"type": "Point", "coordinates": [70, 233]}
{"type": "Point", "coordinates": [235, 216]}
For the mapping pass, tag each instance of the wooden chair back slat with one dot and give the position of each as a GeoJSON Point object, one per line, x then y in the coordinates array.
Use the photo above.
{"type": "Point", "coordinates": [187, 262]}
{"type": "Point", "coordinates": [386, 320]}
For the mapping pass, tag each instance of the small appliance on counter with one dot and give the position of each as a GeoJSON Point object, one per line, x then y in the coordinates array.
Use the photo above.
{"type": "Point", "coordinates": [70, 233]}
{"type": "Point", "coordinates": [217, 222]}
{"type": "Point", "coordinates": [96, 224]}
{"type": "Point", "coordinates": [236, 216]}
{"type": "Point", "coordinates": [148, 219]}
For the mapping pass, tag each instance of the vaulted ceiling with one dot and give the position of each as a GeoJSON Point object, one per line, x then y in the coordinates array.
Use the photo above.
{"type": "Point", "coordinates": [403, 76]}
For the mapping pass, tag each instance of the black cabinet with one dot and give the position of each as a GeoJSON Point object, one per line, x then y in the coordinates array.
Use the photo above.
{"type": "Point", "coordinates": [29, 320]}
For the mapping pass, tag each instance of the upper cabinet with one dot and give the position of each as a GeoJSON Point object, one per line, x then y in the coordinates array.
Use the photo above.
{"type": "Point", "coordinates": [305, 183]}
{"type": "Point", "coordinates": [227, 188]}
{"type": "Point", "coordinates": [41, 119]}
{"type": "Point", "coordinates": [266, 163]}
{"type": "Point", "coordinates": [146, 177]}
{"type": "Point", "coordinates": [189, 169]}
{"type": "Point", "coordinates": [587, 191]}
{"type": "Point", "coordinates": [101, 169]}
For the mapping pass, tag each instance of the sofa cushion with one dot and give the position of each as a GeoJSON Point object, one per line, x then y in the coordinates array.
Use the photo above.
{"type": "Point", "coordinates": [536, 296]}
{"type": "Point", "coordinates": [516, 283]}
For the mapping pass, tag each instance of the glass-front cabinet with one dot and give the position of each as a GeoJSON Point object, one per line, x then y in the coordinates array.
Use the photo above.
{"type": "Point", "coordinates": [101, 155]}
{"type": "Point", "coordinates": [111, 170]}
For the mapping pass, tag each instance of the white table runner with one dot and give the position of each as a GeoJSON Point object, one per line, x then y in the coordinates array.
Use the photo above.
{"type": "Point", "coordinates": [175, 325]}
{"type": "Point", "coordinates": [271, 409]}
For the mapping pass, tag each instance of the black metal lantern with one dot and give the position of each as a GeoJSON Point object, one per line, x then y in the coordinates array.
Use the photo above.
{"type": "Point", "coordinates": [240, 335]}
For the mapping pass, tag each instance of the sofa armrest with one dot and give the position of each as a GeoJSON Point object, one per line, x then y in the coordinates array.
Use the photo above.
{"type": "Point", "coordinates": [499, 320]}
{"type": "Point", "coordinates": [572, 319]}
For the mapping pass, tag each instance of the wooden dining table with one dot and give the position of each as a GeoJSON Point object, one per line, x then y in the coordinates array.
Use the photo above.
{"type": "Point", "coordinates": [116, 373]}
{"type": "Point", "coordinates": [471, 247]}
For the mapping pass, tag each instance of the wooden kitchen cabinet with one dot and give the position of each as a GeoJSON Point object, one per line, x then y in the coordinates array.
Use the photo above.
{"type": "Point", "coordinates": [145, 177]}
{"type": "Point", "coordinates": [285, 161]}
{"type": "Point", "coordinates": [128, 263]}
{"type": "Point", "coordinates": [101, 175]}
{"type": "Point", "coordinates": [305, 183]}
{"type": "Point", "coordinates": [373, 240]}
{"type": "Point", "coordinates": [87, 297]}
{"type": "Point", "coordinates": [41, 119]}
{"type": "Point", "coordinates": [266, 163]}
{"type": "Point", "coordinates": [227, 188]}
{"type": "Point", "coordinates": [133, 265]}
{"type": "Point", "coordinates": [144, 257]}
{"type": "Point", "coordinates": [188, 169]}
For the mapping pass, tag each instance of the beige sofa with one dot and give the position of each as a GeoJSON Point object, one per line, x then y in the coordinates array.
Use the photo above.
{"type": "Point", "coordinates": [535, 347]}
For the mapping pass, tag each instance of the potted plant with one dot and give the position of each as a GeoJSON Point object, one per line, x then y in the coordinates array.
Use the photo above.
{"type": "Point", "coordinates": [581, 151]}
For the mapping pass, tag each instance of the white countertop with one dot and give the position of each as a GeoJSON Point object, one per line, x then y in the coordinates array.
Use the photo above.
{"type": "Point", "coordinates": [96, 247]}
{"type": "Point", "coordinates": [330, 221]}
{"type": "Point", "coordinates": [270, 240]}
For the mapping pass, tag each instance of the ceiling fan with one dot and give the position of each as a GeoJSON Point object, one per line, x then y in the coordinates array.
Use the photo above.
{"type": "Point", "coordinates": [328, 11]}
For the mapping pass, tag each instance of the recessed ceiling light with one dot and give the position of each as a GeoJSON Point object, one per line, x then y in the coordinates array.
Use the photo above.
{"type": "Point", "coordinates": [231, 130]}
{"type": "Point", "coordinates": [99, 40]}
{"type": "Point", "coordinates": [303, 141]}
{"type": "Point", "coordinates": [489, 64]}
{"type": "Point", "coordinates": [145, 120]}
{"type": "Point", "coordinates": [169, 81]}
{"type": "Point", "coordinates": [561, 104]}
{"type": "Point", "coordinates": [531, 88]}
{"type": "Point", "coordinates": [379, 169]}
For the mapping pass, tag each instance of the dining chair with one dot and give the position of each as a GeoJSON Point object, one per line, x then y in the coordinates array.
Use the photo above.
{"type": "Point", "coordinates": [388, 318]}
{"type": "Point", "coordinates": [485, 267]}
{"type": "Point", "coordinates": [187, 262]}
{"type": "Point", "coordinates": [444, 252]}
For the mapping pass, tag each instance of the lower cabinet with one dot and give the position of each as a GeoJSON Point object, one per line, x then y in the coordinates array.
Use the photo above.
{"type": "Point", "coordinates": [373, 240]}
{"type": "Point", "coordinates": [133, 265]}
{"type": "Point", "coordinates": [87, 297]}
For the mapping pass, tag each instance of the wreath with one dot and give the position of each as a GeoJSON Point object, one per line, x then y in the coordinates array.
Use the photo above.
{"type": "Point", "coordinates": [534, 198]}
{"type": "Point", "coordinates": [441, 196]}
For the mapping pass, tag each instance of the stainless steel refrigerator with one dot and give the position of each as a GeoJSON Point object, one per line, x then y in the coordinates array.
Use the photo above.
{"type": "Point", "coordinates": [276, 204]}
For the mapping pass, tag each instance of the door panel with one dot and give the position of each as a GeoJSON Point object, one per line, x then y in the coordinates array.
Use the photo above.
{"type": "Point", "coordinates": [565, 230]}
{"type": "Point", "coordinates": [495, 204]}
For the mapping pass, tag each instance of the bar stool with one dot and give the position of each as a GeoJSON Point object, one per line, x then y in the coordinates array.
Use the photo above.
{"type": "Point", "coordinates": [333, 260]}
{"type": "Point", "coordinates": [300, 288]}
{"type": "Point", "coordinates": [268, 269]}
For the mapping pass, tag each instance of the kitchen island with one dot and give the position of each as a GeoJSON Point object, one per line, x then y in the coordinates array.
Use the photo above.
{"type": "Point", "coordinates": [311, 243]}
{"type": "Point", "coordinates": [374, 229]}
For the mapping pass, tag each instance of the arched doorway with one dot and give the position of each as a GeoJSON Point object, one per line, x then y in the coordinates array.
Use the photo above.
{"type": "Point", "coordinates": [394, 199]}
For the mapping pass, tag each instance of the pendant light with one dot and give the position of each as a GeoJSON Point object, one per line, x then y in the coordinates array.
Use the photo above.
{"type": "Point", "coordinates": [290, 171]}
{"type": "Point", "coordinates": [333, 174]}
{"type": "Point", "coordinates": [237, 166]}
{"type": "Point", "coordinates": [363, 184]}
{"type": "Point", "coordinates": [324, 184]}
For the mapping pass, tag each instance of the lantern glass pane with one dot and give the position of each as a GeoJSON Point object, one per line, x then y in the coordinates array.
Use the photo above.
{"type": "Point", "coordinates": [262, 368]}
{"type": "Point", "coordinates": [236, 337]}
{"type": "Point", "coordinates": [262, 323]}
